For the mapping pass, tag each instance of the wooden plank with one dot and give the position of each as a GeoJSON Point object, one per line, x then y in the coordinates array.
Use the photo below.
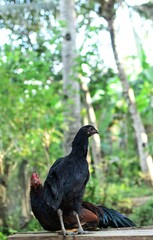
{"type": "Point", "coordinates": [117, 234]}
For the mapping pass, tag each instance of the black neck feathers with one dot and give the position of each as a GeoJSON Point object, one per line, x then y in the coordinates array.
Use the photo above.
{"type": "Point", "coordinates": [80, 144]}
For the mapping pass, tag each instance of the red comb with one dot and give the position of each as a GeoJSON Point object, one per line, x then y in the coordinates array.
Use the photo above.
{"type": "Point", "coordinates": [34, 175]}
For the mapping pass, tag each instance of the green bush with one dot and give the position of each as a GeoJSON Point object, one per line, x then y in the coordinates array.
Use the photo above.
{"type": "Point", "coordinates": [143, 215]}
{"type": "Point", "coordinates": [33, 225]}
{"type": "Point", "coordinates": [2, 236]}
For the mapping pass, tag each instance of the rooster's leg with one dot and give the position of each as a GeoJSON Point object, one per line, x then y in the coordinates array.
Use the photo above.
{"type": "Point", "coordinates": [60, 215]}
{"type": "Point", "coordinates": [80, 229]}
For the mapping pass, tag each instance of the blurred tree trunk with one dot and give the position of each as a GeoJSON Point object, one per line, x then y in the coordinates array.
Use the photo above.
{"type": "Point", "coordinates": [108, 11]}
{"type": "Point", "coordinates": [24, 184]}
{"type": "Point", "coordinates": [3, 204]}
{"type": "Point", "coordinates": [71, 87]}
{"type": "Point", "coordinates": [4, 172]}
{"type": "Point", "coordinates": [96, 143]}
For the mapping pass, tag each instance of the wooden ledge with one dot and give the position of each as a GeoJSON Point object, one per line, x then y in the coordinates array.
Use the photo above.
{"type": "Point", "coordinates": [111, 234]}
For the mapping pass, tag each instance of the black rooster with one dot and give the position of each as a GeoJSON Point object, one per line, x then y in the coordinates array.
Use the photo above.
{"type": "Point", "coordinates": [90, 216]}
{"type": "Point", "coordinates": [65, 184]}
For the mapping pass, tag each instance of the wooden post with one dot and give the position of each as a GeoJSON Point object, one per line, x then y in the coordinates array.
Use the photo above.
{"type": "Point", "coordinates": [109, 234]}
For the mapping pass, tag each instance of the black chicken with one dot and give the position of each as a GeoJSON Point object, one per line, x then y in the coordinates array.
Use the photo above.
{"type": "Point", "coordinates": [65, 184]}
{"type": "Point", "coordinates": [90, 216]}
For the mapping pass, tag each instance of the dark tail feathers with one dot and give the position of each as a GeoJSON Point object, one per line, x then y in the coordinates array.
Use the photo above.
{"type": "Point", "coordinates": [112, 218]}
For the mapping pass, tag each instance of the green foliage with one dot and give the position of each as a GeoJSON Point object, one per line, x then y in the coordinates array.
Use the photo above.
{"type": "Point", "coordinates": [31, 117]}
{"type": "Point", "coordinates": [33, 225]}
{"type": "Point", "coordinates": [3, 236]}
{"type": "Point", "coordinates": [121, 183]}
{"type": "Point", "coordinates": [143, 215]}
{"type": "Point", "coordinates": [32, 104]}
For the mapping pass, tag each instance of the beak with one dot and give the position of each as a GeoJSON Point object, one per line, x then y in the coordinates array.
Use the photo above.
{"type": "Point", "coordinates": [96, 131]}
{"type": "Point", "coordinates": [35, 181]}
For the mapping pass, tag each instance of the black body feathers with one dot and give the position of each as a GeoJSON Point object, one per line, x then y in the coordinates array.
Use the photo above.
{"type": "Point", "coordinates": [65, 184]}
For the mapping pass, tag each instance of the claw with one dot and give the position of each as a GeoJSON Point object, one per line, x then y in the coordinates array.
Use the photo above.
{"type": "Point", "coordinates": [81, 231]}
{"type": "Point", "coordinates": [60, 214]}
{"type": "Point", "coordinates": [65, 233]}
